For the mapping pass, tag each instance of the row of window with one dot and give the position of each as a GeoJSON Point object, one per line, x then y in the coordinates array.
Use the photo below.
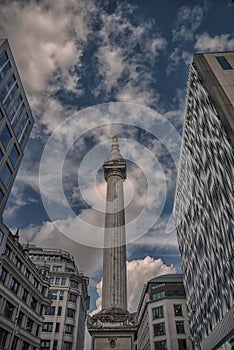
{"type": "Point", "coordinates": [24, 294]}
{"type": "Point", "coordinates": [53, 258]}
{"type": "Point", "coordinates": [158, 312]}
{"type": "Point", "coordinates": [58, 281]}
{"type": "Point", "coordinates": [4, 338]}
{"type": "Point", "coordinates": [9, 312]}
{"type": "Point", "coordinates": [48, 327]}
{"type": "Point", "coordinates": [62, 281]}
{"type": "Point", "coordinates": [159, 328]}
{"type": "Point", "coordinates": [21, 267]}
{"type": "Point", "coordinates": [162, 344]}
{"type": "Point", "coordinates": [5, 65]}
{"type": "Point", "coordinates": [45, 345]}
{"type": "Point", "coordinates": [168, 293]}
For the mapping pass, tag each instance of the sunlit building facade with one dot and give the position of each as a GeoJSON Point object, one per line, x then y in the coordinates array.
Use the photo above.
{"type": "Point", "coordinates": [162, 315]}
{"type": "Point", "coordinates": [204, 201]}
{"type": "Point", "coordinates": [16, 122]}
{"type": "Point", "coordinates": [64, 323]}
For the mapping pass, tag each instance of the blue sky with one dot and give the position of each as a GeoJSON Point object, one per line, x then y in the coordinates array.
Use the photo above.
{"type": "Point", "coordinates": [93, 69]}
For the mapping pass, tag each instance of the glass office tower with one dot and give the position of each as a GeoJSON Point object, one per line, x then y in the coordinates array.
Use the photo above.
{"type": "Point", "coordinates": [204, 201]}
{"type": "Point", "coordinates": [16, 122]}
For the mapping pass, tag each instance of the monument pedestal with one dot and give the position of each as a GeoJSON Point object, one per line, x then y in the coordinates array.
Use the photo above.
{"type": "Point", "coordinates": [112, 330]}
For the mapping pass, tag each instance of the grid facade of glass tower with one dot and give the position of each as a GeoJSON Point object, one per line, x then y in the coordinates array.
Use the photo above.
{"type": "Point", "coordinates": [204, 202]}
{"type": "Point", "coordinates": [16, 122]}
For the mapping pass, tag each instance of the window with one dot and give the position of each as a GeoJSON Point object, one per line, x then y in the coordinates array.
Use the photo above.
{"type": "Point", "coordinates": [1, 236]}
{"type": "Point", "coordinates": [57, 281]}
{"type": "Point", "coordinates": [61, 295]}
{"type": "Point", "coordinates": [178, 310]}
{"type": "Point", "coordinates": [6, 175]}
{"type": "Point", "coordinates": [14, 286]}
{"type": "Point", "coordinates": [5, 136]}
{"type": "Point", "coordinates": [70, 312]}
{"type": "Point", "coordinates": [72, 297]}
{"type": "Point", "coordinates": [7, 251]}
{"type": "Point", "coordinates": [45, 344]}
{"type": "Point", "coordinates": [223, 62]}
{"type": "Point", "coordinates": [69, 329]}
{"type": "Point", "coordinates": [33, 303]}
{"type": "Point", "coordinates": [57, 268]}
{"type": "Point", "coordinates": [55, 345]}
{"type": "Point", "coordinates": [52, 294]}
{"type": "Point", "coordinates": [15, 343]}
{"type": "Point", "coordinates": [182, 344]}
{"type": "Point", "coordinates": [59, 310]}
{"type": "Point", "coordinates": [14, 108]}
{"type": "Point", "coordinates": [25, 346]}
{"type": "Point", "coordinates": [50, 310]}
{"type": "Point", "coordinates": [57, 326]}
{"type": "Point", "coordinates": [160, 345]}
{"type": "Point", "coordinates": [14, 155]}
{"type": "Point", "coordinates": [3, 337]}
{"type": "Point", "coordinates": [158, 312]}
{"type": "Point", "coordinates": [158, 296]}
{"type": "Point", "coordinates": [47, 327]}
{"type": "Point", "coordinates": [63, 281]}
{"type": "Point", "coordinates": [51, 280]}
{"type": "Point", "coordinates": [29, 325]}
{"type": "Point", "coordinates": [3, 275]}
{"type": "Point", "coordinates": [8, 310]}
{"type": "Point", "coordinates": [17, 263]}
{"type": "Point", "coordinates": [68, 269]}
{"type": "Point", "coordinates": [20, 318]}
{"type": "Point", "coordinates": [67, 345]}
{"type": "Point", "coordinates": [25, 295]}
{"type": "Point", "coordinates": [74, 284]}
{"type": "Point", "coordinates": [3, 58]}
{"type": "Point", "coordinates": [1, 195]}
{"type": "Point", "coordinates": [180, 326]}
{"type": "Point", "coordinates": [159, 329]}
{"type": "Point", "coordinates": [27, 273]}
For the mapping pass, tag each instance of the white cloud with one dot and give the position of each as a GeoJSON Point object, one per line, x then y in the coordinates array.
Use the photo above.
{"type": "Point", "coordinates": [177, 57]}
{"type": "Point", "coordinates": [139, 272]}
{"type": "Point", "coordinates": [189, 19]}
{"type": "Point", "coordinates": [126, 57]}
{"type": "Point", "coordinates": [205, 42]}
{"type": "Point", "coordinates": [47, 40]}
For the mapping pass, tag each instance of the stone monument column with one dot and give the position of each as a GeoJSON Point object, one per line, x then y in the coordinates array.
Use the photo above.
{"type": "Point", "coordinates": [114, 289]}
{"type": "Point", "coordinates": [114, 327]}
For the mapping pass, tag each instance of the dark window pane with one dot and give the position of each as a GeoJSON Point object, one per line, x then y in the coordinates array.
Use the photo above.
{"type": "Point", "coordinates": [47, 327]}
{"type": "Point", "coordinates": [1, 236]}
{"type": "Point", "coordinates": [159, 329]}
{"type": "Point", "coordinates": [6, 175]}
{"type": "Point", "coordinates": [59, 310]}
{"type": "Point", "coordinates": [3, 58]}
{"type": "Point", "coordinates": [5, 136]}
{"type": "Point", "coordinates": [178, 310]}
{"type": "Point", "coordinates": [160, 345]}
{"type": "Point", "coordinates": [14, 155]}
{"type": "Point", "coordinates": [223, 62]}
{"type": "Point", "coordinates": [180, 326]}
{"type": "Point", "coordinates": [158, 312]}
{"type": "Point", "coordinates": [50, 310]}
{"type": "Point", "coordinates": [4, 70]}
{"type": "Point", "coordinates": [182, 344]}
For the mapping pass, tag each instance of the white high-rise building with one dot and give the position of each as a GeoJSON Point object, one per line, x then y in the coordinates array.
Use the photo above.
{"type": "Point", "coordinates": [204, 200]}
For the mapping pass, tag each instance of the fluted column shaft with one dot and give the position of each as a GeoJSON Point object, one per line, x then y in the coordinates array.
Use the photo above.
{"type": "Point", "coordinates": [114, 290]}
